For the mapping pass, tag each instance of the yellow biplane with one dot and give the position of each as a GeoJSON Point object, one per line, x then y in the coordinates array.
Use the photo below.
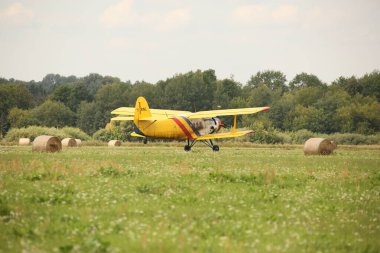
{"type": "Point", "coordinates": [172, 124]}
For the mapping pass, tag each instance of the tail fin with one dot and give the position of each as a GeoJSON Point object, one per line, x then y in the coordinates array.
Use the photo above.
{"type": "Point", "coordinates": [141, 110]}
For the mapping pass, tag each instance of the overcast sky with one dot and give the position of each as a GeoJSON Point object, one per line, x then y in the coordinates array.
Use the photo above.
{"type": "Point", "coordinates": [152, 40]}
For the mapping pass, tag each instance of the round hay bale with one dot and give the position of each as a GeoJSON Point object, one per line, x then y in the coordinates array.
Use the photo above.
{"type": "Point", "coordinates": [318, 146]}
{"type": "Point", "coordinates": [69, 142]}
{"type": "Point", "coordinates": [79, 142]}
{"type": "Point", "coordinates": [114, 143]}
{"type": "Point", "coordinates": [333, 146]}
{"type": "Point", "coordinates": [24, 141]}
{"type": "Point", "coordinates": [47, 143]}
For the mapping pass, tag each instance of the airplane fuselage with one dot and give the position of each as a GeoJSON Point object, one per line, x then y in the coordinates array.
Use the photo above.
{"type": "Point", "coordinates": [178, 127]}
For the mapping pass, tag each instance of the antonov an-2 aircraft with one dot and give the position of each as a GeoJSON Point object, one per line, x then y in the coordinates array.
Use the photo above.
{"type": "Point", "coordinates": [171, 124]}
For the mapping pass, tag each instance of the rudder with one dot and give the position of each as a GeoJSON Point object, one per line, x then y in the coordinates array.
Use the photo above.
{"type": "Point", "coordinates": [141, 110]}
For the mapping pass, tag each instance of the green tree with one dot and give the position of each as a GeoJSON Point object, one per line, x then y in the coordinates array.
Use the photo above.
{"type": "Point", "coordinates": [51, 81]}
{"type": "Point", "coordinates": [281, 112]}
{"type": "Point", "coordinates": [94, 81]}
{"type": "Point", "coordinates": [92, 116]}
{"type": "Point", "coordinates": [21, 118]}
{"type": "Point", "coordinates": [361, 115]}
{"type": "Point", "coordinates": [112, 96]}
{"type": "Point", "coordinates": [225, 91]}
{"type": "Point", "coordinates": [263, 96]}
{"type": "Point", "coordinates": [143, 89]}
{"type": "Point", "coordinates": [367, 85]}
{"type": "Point", "coordinates": [193, 91]}
{"type": "Point", "coordinates": [53, 114]}
{"type": "Point", "coordinates": [272, 79]}
{"type": "Point", "coordinates": [71, 95]}
{"type": "Point", "coordinates": [62, 93]}
{"type": "Point", "coordinates": [305, 80]}
{"type": "Point", "coordinates": [12, 95]}
{"type": "Point", "coordinates": [307, 96]}
{"type": "Point", "coordinates": [239, 102]}
{"type": "Point", "coordinates": [351, 85]}
{"type": "Point", "coordinates": [330, 102]}
{"type": "Point", "coordinates": [309, 118]}
{"type": "Point", "coordinates": [89, 118]}
{"type": "Point", "coordinates": [370, 84]}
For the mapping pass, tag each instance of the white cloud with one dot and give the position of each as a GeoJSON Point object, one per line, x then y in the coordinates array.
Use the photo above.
{"type": "Point", "coordinates": [131, 43]}
{"type": "Point", "coordinates": [175, 19]}
{"type": "Point", "coordinates": [249, 13]}
{"type": "Point", "coordinates": [260, 13]}
{"type": "Point", "coordinates": [122, 14]}
{"type": "Point", "coordinates": [284, 12]}
{"type": "Point", "coordinates": [16, 13]}
{"type": "Point", "coordinates": [118, 15]}
{"type": "Point", "coordinates": [120, 42]}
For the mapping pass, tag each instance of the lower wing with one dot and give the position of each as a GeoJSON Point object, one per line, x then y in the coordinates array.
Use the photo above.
{"type": "Point", "coordinates": [224, 135]}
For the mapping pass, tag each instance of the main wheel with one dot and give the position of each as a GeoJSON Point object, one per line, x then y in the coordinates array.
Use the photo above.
{"type": "Point", "coordinates": [215, 148]}
{"type": "Point", "coordinates": [187, 148]}
{"type": "Point", "coordinates": [145, 141]}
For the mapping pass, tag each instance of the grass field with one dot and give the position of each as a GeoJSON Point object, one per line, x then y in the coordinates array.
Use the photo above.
{"type": "Point", "coordinates": [161, 199]}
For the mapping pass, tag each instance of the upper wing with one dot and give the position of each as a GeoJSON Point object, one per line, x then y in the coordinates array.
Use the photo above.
{"type": "Point", "coordinates": [130, 111]}
{"type": "Point", "coordinates": [232, 134]}
{"type": "Point", "coordinates": [214, 113]}
{"type": "Point", "coordinates": [167, 113]}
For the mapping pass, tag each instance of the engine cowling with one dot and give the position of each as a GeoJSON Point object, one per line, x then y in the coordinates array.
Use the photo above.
{"type": "Point", "coordinates": [208, 125]}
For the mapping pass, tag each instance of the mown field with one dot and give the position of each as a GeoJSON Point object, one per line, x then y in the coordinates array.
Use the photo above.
{"type": "Point", "coordinates": [161, 199]}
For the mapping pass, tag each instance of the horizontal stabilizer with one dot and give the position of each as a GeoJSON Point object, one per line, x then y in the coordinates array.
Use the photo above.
{"type": "Point", "coordinates": [124, 111]}
{"type": "Point", "coordinates": [137, 135]}
{"type": "Point", "coordinates": [121, 118]}
{"type": "Point", "coordinates": [224, 135]}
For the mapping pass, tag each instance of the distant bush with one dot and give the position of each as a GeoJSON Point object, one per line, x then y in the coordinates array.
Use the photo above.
{"type": "Point", "coordinates": [32, 132]}
{"type": "Point", "coordinates": [300, 136]}
{"type": "Point", "coordinates": [269, 136]}
{"type": "Point", "coordinates": [114, 133]}
{"type": "Point", "coordinates": [355, 139]}
{"type": "Point", "coordinates": [76, 133]}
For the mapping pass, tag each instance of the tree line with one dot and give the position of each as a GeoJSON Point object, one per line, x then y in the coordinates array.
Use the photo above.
{"type": "Point", "coordinates": [347, 105]}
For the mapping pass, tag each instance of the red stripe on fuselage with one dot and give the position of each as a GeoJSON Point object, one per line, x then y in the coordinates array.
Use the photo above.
{"type": "Point", "coordinates": [179, 123]}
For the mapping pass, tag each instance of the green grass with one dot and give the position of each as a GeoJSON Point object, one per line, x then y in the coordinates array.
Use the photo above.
{"type": "Point", "coordinates": [162, 199]}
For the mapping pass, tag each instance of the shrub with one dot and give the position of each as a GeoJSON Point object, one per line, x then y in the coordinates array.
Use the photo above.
{"type": "Point", "coordinates": [355, 139]}
{"type": "Point", "coordinates": [269, 136]}
{"type": "Point", "coordinates": [33, 131]}
{"type": "Point", "coordinates": [114, 133]}
{"type": "Point", "coordinates": [76, 133]}
{"type": "Point", "coordinates": [300, 136]}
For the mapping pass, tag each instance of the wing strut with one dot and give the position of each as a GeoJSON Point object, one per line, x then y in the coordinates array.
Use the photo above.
{"type": "Point", "coordinates": [234, 127]}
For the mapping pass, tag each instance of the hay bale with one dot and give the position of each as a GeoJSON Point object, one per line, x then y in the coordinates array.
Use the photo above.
{"type": "Point", "coordinates": [79, 142]}
{"type": "Point", "coordinates": [24, 141]}
{"type": "Point", "coordinates": [114, 143]}
{"type": "Point", "coordinates": [47, 143]}
{"type": "Point", "coordinates": [69, 142]}
{"type": "Point", "coordinates": [318, 146]}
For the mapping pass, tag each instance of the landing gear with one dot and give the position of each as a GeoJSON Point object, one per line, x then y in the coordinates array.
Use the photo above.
{"type": "Point", "coordinates": [145, 141]}
{"type": "Point", "coordinates": [189, 145]}
{"type": "Point", "coordinates": [209, 143]}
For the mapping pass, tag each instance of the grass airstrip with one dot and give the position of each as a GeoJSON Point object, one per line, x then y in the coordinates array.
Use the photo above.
{"type": "Point", "coordinates": [158, 198]}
